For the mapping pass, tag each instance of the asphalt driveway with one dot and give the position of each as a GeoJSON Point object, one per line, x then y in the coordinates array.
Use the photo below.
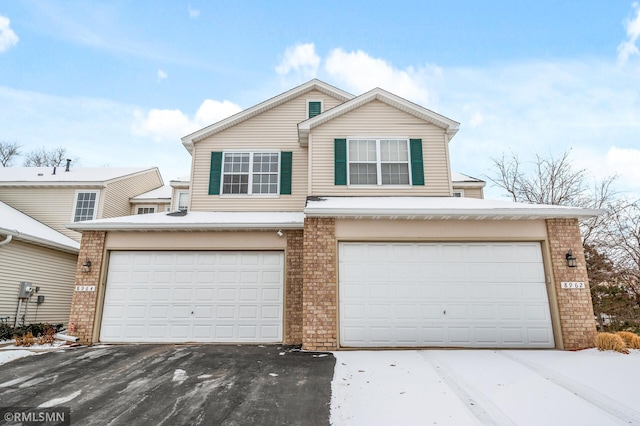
{"type": "Point", "coordinates": [175, 384]}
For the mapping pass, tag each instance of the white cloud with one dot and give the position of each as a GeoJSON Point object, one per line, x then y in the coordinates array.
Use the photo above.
{"type": "Point", "coordinates": [7, 37]}
{"type": "Point", "coordinates": [162, 75]}
{"type": "Point", "coordinates": [300, 59]}
{"type": "Point", "coordinates": [361, 72]}
{"type": "Point", "coordinates": [172, 124]}
{"type": "Point", "coordinates": [628, 47]}
{"type": "Point", "coordinates": [193, 13]}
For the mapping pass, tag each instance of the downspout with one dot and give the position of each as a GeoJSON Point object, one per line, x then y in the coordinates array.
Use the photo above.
{"type": "Point", "coordinates": [6, 240]}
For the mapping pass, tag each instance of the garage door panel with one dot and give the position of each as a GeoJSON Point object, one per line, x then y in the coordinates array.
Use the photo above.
{"type": "Point", "coordinates": [443, 294]}
{"type": "Point", "coordinates": [194, 296]}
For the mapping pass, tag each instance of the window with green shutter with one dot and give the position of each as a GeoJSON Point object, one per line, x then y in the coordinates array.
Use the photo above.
{"type": "Point", "coordinates": [250, 173]}
{"type": "Point", "coordinates": [314, 108]}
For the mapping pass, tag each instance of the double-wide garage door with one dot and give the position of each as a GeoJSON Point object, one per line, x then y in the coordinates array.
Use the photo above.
{"type": "Point", "coordinates": [193, 297]}
{"type": "Point", "coordinates": [443, 294]}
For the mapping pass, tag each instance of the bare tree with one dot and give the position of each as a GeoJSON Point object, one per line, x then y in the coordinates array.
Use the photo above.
{"type": "Point", "coordinates": [611, 240]}
{"type": "Point", "coordinates": [43, 157]}
{"type": "Point", "coordinates": [8, 152]}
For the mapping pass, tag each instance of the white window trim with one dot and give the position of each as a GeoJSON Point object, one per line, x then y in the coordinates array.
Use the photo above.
{"type": "Point", "coordinates": [314, 100]}
{"type": "Point", "coordinates": [461, 191]}
{"type": "Point", "coordinates": [142, 206]}
{"type": "Point", "coordinates": [178, 193]}
{"type": "Point", "coordinates": [75, 204]}
{"type": "Point", "coordinates": [250, 183]}
{"type": "Point", "coordinates": [379, 163]}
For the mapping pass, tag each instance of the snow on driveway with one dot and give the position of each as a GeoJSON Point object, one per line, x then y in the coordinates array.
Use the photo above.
{"type": "Point", "coordinates": [472, 387]}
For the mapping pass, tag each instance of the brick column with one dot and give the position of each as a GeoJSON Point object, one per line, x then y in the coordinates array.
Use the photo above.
{"type": "Point", "coordinates": [83, 303]}
{"type": "Point", "coordinates": [319, 301]}
{"type": "Point", "coordinates": [574, 305]}
{"type": "Point", "coordinates": [293, 288]}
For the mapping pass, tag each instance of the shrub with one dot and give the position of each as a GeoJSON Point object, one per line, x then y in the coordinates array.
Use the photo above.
{"type": "Point", "coordinates": [611, 342]}
{"type": "Point", "coordinates": [632, 340]}
{"type": "Point", "coordinates": [36, 329]}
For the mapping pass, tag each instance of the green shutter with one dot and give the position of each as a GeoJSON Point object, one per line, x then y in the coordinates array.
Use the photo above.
{"type": "Point", "coordinates": [340, 160]}
{"type": "Point", "coordinates": [417, 166]}
{"type": "Point", "coordinates": [315, 108]}
{"type": "Point", "coordinates": [285, 173]}
{"type": "Point", "coordinates": [215, 173]}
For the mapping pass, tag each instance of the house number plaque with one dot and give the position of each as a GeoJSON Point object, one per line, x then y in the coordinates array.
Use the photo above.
{"type": "Point", "coordinates": [85, 288]}
{"type": "Point", "coordinates": [572, 284]}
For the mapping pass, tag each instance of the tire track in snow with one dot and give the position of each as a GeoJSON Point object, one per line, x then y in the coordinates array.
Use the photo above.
{"type": "Point", "coordinates": [610, 406]}
{"type": "Point", "coordinates": [474, 399]}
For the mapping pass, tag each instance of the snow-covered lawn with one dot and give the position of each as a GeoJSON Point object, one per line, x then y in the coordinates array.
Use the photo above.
{"type": "Point", "coordinates": [470, 387]}
{"type": "Point", "coordinates": [11, 352]}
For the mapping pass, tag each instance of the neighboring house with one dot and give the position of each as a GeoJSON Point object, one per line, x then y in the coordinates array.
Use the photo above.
{"type": "Point", "coordinates": [34, 253]}
{"type": "Point", "coordinates": [56, 196]}
{"type": "Point", "coordinates": [180, 193]}
{"type": "Point", "coordinates": [154, 201]}
{"type": "Point", "coordinates": [333, 221]}
{"type": "Point", "coordinates": [36, 204]}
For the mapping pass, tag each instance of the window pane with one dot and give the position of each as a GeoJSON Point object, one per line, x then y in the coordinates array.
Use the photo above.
{"type": "Point", "coordinates": [395, 174]}
{"type": "Point", "coordinates": [85, 206]}
{"type": "Point", "coordinates": [362, 174]}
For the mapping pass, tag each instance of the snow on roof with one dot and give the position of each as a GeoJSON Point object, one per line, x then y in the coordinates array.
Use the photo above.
{"type": "Point", "coordinates": [438, 208]}
{"type": "Point", "coordinates": [459, 177]}
{"type": "Point", "coordinates": [196, 221]}
{"type": "Point", "coordinates": [164, 192]}
{"type": "Point", "coordinates": [33, 175]}
{"type": "Point", "coordinates": [23, 227]}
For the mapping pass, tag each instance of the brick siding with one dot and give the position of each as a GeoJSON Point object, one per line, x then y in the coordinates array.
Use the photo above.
{"type": "Point", "coordinates": [293, 288]}
{"type": "Point", "coordinates": [84, 303]}
{"type": "Point", "coordinates": [577, 322]}
{"type": "Point", "coordinates": [319, 301]}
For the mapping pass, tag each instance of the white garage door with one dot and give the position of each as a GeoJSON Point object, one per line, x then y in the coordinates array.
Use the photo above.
{"type": "Point", "coordinates": [443, 294]}
{"type": "Point", "coordinates": [193, 297]}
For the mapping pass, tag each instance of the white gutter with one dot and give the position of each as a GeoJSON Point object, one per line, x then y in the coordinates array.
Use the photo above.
{"type": "Point", "coordinates": [38, 241]}
{"type": "Point", "coordinates": [497, 213]}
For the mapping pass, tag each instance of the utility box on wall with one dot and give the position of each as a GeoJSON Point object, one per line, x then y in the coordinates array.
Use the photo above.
{"type": "Point", "coordinates": [25, 290]}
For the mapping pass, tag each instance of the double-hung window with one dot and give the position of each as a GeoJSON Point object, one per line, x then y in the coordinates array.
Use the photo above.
{"type": "Point", "coordinates": [378, 162]}
{"type": "Point", "coordinates": [85, 206]}
{"type": "Point", "coordinates": [250, 173]}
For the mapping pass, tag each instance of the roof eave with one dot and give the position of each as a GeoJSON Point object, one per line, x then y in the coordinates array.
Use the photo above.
{"type": "Point", "coordinates": [184, 226]}
{"type": "Point", "coordinates": [40, 241]}
{"type": "Point", "coordinates": [460, 214]}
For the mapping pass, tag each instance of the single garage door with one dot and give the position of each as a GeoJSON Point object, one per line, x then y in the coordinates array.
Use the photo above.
{"type": "Point", "coordinates": [443, 294]}
{"type": "Point", "coordinates": [193, 297]}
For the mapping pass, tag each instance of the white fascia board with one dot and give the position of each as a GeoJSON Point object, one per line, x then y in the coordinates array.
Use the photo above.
{"type": "Point", "coordinates": [478, 184]}
{"type": "Point", "coordinates": [83, 185]}
{"type": "Point", "coordinates": [41, 241]}
{"type": "Point", "coordinates": [315, 84]}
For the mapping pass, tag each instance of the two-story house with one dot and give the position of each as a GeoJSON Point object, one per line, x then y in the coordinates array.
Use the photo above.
{"type": "Point", "coordinates": [334, 221]}
{"type": "Point", "coordinates": [35, 246]}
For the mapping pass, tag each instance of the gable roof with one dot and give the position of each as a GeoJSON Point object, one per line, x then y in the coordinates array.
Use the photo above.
{"type": "Point", "coordinates": [76, 176]}
{"type": "Point", "coordinates": [450, 126]}
{"type": "Point", "coordinates": [460, 180]}
{"type": "Point", "coordinates": [309, 86]}
{"type": "Point", "coordinates": [23, 227]}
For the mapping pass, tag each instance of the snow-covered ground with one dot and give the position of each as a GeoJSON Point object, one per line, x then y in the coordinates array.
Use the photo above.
{"type": "Point", "coordinates": [470, 387]}
{"type": "Point", "coordinates": [11, 352]}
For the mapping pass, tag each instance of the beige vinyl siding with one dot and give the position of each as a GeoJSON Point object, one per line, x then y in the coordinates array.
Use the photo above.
{"type": "Point", "coordinates": [275, 129]}
{"type": "Point", "coordinates": [472, 192]}
{"type": "Point", "coordinates": [51, 270]}
{"type": "Point", "coordinates": [117, 193]}
{"type": "Point", "coordinates": [53, 206]}
{"type": "Point", "coordinates": [377, 119]}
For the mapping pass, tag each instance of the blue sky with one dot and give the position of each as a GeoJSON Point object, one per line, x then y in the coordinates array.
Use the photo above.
{"type": "Point", "coordinates": [118, 83]}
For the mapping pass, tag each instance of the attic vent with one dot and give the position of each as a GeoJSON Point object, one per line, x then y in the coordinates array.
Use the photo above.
{"type": "Point", "coordinates": [40, 174]}
{"type": "Point", "coordinates": [177, 213]}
